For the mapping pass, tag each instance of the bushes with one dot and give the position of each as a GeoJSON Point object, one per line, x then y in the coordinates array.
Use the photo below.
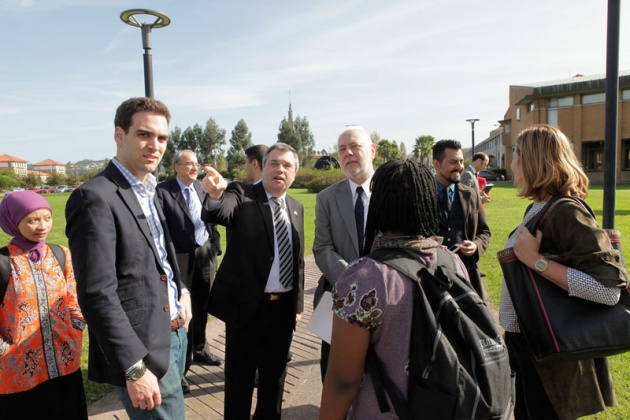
{"type": "Point", "coordinates": [316, 180]}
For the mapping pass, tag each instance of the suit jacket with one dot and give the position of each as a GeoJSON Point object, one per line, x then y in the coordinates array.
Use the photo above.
{"type": "Point", "coordinates": [469, 178]}
{"type": "Point", "coordinates": [240, 282]}
{"type": "Point", "coordinates": [476, 229]}
{"type": "Point", "coordinates": [336, 243]}
{"type": "Point", "coordinates": [181, 226]}
{"type": "Point", "coordinates": [121, 284]}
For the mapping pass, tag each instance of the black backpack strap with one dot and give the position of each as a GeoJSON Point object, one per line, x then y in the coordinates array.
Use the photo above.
{"type": "Point", "coordinates": [5, 270]}
{"type": "Point", "coordinates": [59, 255]}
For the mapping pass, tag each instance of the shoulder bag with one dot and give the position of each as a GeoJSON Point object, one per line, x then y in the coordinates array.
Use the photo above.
{"type": "Point", "coordinates": [556, 325]}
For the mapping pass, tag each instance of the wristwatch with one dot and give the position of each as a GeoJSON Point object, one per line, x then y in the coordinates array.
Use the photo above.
{"type": "Point", "coordinates": [136, 372]}
{"type": "Point", "coordinates": [541, 264]}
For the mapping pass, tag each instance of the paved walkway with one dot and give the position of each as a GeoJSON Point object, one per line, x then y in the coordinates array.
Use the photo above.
{"type": "Point", "coordinates": [302, 391]}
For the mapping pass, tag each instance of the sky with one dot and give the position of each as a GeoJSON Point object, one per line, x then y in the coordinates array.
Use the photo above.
{"type": "Point", "coordinates": [401, 68]}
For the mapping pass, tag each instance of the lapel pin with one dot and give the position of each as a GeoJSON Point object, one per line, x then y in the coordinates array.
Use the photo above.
{"type": "Point", "coordinates": [295, 212]}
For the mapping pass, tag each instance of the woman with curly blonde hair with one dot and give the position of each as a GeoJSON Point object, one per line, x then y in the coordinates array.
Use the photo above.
{"type": "Point", "coordinates": [545, 166]}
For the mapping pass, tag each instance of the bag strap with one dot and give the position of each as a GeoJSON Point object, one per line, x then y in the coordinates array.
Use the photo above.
{"type": "Point", "coordinates": [5, 265]}
{"type": "Point", "coordinates": [405, 263]}
{"type": "Point", "coordinates": [5, 270]}
{"type": "Point", "coordinates": [546, 211]}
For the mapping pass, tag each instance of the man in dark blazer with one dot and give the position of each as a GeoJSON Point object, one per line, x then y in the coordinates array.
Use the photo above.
{"type": "Point", "coordinates": [462, 219]}
{"type": "Point", "coordinates": [336, 241]}
{"type": "Point", "coordinates": [259, 288]}
{"type": "Point", "coordinates": [197, 247]}
{"type": "Point", "coordinates": [469, 176]}
{"type": "Point", "coordinates": [128, 282]}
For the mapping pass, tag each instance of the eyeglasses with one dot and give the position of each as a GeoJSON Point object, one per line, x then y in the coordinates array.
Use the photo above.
{"type": "Point", "coordinates": [191, 164]}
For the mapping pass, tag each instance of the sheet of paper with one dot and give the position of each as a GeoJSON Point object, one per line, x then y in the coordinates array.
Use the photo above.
{"type": "Point", "coordinates": [321, 321]}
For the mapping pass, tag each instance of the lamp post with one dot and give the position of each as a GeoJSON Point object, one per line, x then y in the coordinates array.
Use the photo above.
{"type": "Point", "coordinates": [472, 122]}
{"type": "Point", "coordinates": [129, 17]}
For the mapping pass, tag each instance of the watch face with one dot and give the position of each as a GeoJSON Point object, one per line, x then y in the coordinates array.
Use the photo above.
{"type": "Point", "coordinates": [541, 265]}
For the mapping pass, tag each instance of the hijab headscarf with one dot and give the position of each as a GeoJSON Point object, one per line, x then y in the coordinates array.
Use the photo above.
{"type": "Point", "coordinates": [13, 208]}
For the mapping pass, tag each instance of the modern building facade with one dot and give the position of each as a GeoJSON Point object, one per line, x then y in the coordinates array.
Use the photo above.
{"type": "Point", "coordinates": [493, 147]}
{"type": "Point", "coordinates": [577, 107]}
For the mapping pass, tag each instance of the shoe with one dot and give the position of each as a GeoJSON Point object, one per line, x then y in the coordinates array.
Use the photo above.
{"type": "Point", "coordinates": [289, 356]}
{"type": "Point", "coordinates": [206, 358]}
{"type": "Point", "coordinates": [482, 274]}
{"type": "Point", "coordinates": [185, 386]}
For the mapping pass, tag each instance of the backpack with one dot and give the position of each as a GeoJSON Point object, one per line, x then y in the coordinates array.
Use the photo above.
{"type": "Point", "coordinates": [458, 364]}
{"type": "Point", "coordinates": [5, 265]}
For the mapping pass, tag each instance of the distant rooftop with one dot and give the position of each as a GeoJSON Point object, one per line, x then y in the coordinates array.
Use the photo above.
{"type": "Point", "coordinates": [9, 158]}
{"type": "Point", "coordinates": [578, 78]}
{"type": "Point", "coordinates": [49, 162]}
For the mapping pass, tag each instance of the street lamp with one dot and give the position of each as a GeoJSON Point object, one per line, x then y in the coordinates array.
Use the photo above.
{"type": "Point", "coordinates": [129, 17]}
{"type": "Point", "coordinates": [472, 122]}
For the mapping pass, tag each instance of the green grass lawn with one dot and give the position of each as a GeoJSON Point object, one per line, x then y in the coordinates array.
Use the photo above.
{"type": "Point", "coordinates": [504, 213]}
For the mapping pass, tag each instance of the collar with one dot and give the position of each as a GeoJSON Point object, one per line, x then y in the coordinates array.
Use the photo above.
{"type": "Point", "coordinates": [365, 185]}
{"type": "Point", "coordinates": [149, 183]}
{"type": "Point", "coordinates": [183, 186]}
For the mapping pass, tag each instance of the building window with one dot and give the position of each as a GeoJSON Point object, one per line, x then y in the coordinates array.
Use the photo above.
{"type": "Point", "coordinates": [552, 112]}
{"type": "Point", "coordinates": [593, 155]}
{"type": "Point", "coordinates": [506, 128]}
{"type": "Point", "coordinates": [518, 114]}
{"type": "Point", "coordinates": [566, 101]}
{"type": "Point", "coordinates": [531, 107]}
{"type": "Point", "coordinates": [625, 161]}
{"type": "Point", "coordinates": [625, 95]}
{"type": "Point", "coordinates": [594, 98]}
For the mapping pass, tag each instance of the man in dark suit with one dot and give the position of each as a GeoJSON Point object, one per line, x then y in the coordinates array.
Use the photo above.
{"type": "Point", "coordinates": [462, 219]}
{"type": "Point", "coordinates": [197, 245]}
{"type": "Point", "coordinates": [259, 288]}
{"type": "Point", "coordinates": [128, 282]}
{"type": "Point", "coordinates": [469, 176]}
{"type": "Point", "coordinates": [336, 230]}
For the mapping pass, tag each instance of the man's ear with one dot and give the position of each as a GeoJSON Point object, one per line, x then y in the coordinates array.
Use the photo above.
{"type": "Point", "coordinates": [119, 134]}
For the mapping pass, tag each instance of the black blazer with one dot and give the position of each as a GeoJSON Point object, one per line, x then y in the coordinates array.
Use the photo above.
{"type": "Point", "coordinates": [121, 284]}
{"type": "Point", "coordinates": [240, 282]}
{"type": "Point", "coordinates": [179, 220]}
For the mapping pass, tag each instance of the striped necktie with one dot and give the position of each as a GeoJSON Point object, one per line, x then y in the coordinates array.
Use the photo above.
{"type": "Point", "coordinates": [201, 233]}
{"type": "Point", "coordinates": [285, 272]}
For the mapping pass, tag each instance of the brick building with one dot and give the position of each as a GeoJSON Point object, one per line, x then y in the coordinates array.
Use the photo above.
{"type": "Point", "coordinates": [577, 107]}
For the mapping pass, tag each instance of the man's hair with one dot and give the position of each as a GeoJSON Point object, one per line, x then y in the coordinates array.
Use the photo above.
{"type": "Point", "coordinates": [126, 111]}
{"type": "Point", "coordinates": [479, 156]}
{"type": "Point", "coordinates": [360, 131]}
{"type": "Point", "coordinates": [179, 155]}
{"type": "Point", "coordinates": [285, 148]}
{"type": "Point", "coordinates": [548, 164]}
{"type": "Point", "coordinates": [256, 152]}
{"type": "Point", "coordinates": [439, 148]}
{"type": "Point", "coordinates": [404, 199]}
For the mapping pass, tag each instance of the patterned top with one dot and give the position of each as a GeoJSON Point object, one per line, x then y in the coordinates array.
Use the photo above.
{"type": "Point", "coordinates": [580, 284]}
{"type": "Point", "coordinates": [374, 296]}
{"type": "Point", "coordinates": [41, 325]}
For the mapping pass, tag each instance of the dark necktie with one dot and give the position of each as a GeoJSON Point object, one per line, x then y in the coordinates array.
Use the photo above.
{"type": "Point", "coordinates": [285, 271]}
{"type": "Point", "coordinates": [359, 217]}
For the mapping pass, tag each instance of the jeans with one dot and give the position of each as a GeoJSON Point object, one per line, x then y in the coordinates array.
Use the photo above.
{"type": "Point", "coordinates": [172, 407]}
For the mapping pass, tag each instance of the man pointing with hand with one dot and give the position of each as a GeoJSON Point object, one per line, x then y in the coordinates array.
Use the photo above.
{"type": "Point", "coordinates": [259, 287]}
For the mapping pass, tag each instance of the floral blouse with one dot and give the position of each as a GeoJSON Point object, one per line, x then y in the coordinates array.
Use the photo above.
{"type": "Point", "coordinates": [41, 325]}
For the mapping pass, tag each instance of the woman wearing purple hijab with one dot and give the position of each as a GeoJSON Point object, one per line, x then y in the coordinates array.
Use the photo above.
{"type": "Point", "coordinates": [41, 325]}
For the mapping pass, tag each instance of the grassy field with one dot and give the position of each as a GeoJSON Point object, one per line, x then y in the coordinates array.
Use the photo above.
{"type": "Point", "coordinates": [504, 213]}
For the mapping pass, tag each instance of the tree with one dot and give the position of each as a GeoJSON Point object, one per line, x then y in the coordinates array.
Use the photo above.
{"type": "Point", "coordinates": [403, 150]}
{"type": "Point", "coordinates": [56, 179]}
{"type": "Point", "coordinates": [387, 150]}
{"type": "Point", "coordinates": [212, 139]}
{"type": "Point", "coordinates": [299, 136]}
{"type": "Point", "coordinates": [241, 139]}
{"type": "Point", "coordinates": [423, 148]}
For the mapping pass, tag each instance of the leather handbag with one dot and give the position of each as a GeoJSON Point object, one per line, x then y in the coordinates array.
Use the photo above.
{"type": "Point", "coordinates": [556, 325]}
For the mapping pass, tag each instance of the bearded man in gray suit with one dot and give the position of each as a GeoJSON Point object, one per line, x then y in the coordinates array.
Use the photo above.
{"type": "Point", "coordinates": [340, 214]}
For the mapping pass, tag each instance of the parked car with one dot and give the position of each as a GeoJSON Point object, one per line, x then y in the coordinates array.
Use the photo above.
{"type": "Point", "coordinates": [61, 188]}
{"type": "Point", "coordinates": [47, 190]}
{"type": "Point", "coordinates": [18, 189]}
{"type": "Point", "coordinates": [491, 176]}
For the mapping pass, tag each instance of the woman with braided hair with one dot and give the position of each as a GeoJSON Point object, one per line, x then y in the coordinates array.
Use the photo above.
{"type": "Point", "coordinates": [373, 303]}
